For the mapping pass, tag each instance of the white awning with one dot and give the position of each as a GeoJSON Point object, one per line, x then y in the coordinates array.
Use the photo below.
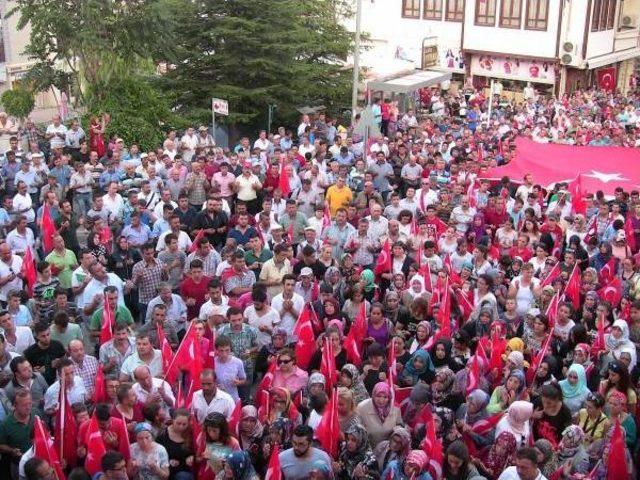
{"type": "Point", "coordinates": [409, 83]}
{"type": "Point", "coordinates": [610, 58]}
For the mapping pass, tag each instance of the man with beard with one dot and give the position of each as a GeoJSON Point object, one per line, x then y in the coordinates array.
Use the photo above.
{"type": "Point", "coordinates": [213, 221]}
{"type": "Point", "coordinates": [297, 462]}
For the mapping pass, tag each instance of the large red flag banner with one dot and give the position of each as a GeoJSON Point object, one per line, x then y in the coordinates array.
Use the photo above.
{"type": "Point", "coordinates": [600, 168]}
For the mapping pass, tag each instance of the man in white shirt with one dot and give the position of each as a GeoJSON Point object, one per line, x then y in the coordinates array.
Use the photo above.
{"type": "Point", "coordinates": [188, 144]}
{"type": "Point", "coordinates": [56, 133]}
{"type": "Point", "coordinates": [17, 339]}
{"type": "Point", "coordinates": [22, 202]}
{"type": "Point", "coordinates": [76, 393]}
{"type": "Point", "coordinates": [10, 267]}
{"type": "Point", "coordinates": [288, 304]}
{"type": "Point", "coordinates": [113, 202]}
{"type": "Point", "coordinates": [148, 388]}
{"type": "Point", "coordinates": [525, 468]}
{"type": "Point", "coordinates": [21, 237]}
{"type": "Point", "coordinates": [262, 317]}
{"type": "Point", "coordinates": [145, 355]}
{"type": "Point", "coordinates": [184, 241]}
{"type": "Point", "coordinates": [210, 398]}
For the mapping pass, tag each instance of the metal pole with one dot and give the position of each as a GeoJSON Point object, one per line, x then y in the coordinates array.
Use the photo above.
{"type": "Point", "coordinates": [490, 103]}
{"type": "Point", "coordinates": [269, 121]}
{"type": "Point", "coordinates": [213, 124]}
{"type": "Point", "coordinates": [356, 62]}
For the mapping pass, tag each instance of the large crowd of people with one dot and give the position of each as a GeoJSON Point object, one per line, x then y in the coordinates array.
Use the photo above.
{"type": "Point", "coordinates": [310, 304]}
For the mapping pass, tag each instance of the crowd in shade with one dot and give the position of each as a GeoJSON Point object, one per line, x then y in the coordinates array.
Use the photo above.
{"type": "Point", "coordinates": [312, 304]}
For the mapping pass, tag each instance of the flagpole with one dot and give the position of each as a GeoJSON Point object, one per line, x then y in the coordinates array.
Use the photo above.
{"type": "Point", "coordinates": [61, 418]}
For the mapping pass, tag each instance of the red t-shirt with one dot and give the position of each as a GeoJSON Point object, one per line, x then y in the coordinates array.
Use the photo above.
{"type": "Point", "coordinates": [197, 291]}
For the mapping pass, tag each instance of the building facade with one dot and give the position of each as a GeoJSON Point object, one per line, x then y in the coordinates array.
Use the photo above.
{"type": "Point", "coordinates": [556, 45]}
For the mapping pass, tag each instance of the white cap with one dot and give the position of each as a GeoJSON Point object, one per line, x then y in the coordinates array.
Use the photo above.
{"type": "Point", "coordinates": [306, 272]}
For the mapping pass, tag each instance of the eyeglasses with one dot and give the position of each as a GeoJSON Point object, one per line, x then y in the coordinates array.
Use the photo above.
{"type": "Point", "coordinates": [282, 361]}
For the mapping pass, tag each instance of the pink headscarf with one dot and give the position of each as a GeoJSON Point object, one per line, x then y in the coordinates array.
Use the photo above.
{"type": "Point", "coordinates": [518, 415]}
{"type": "Point", "coordinates": [418, 458]}
{"type": "Point", "coordinates": [381, 387]}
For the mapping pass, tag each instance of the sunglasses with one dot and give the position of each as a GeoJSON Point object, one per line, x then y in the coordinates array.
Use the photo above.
{"type": "Point", "coordinates": [283, 361]}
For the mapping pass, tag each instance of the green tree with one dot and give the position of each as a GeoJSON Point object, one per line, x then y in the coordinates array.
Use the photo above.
{"type": "Point", "coordinates": [18, 102]}
{"type": "Point", "coordinates": [90, 43]}
{"type": "Point", "coordinates": [259, 52]}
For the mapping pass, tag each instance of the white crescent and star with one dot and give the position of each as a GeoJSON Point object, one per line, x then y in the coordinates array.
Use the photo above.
{"type": "Point", "coordinates": [606, 177]}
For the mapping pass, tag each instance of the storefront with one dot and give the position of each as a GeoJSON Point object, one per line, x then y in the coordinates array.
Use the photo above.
{"type": "Point", "coordinates": [512, 74]}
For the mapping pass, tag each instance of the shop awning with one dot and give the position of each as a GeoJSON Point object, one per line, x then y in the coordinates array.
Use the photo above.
{"type": "Point", "coordinates": [409, 83]}
{"type": "Point", "coordinates": [611, 58]}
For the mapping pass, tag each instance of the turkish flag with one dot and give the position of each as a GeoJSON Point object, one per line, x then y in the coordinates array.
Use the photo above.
{"type": "Point", "coordinates": [572, 290]}
{"type": "Point", "coordinates": [464, 303]}
{"type": "Point", "coordinates": [432, 446]}
{"type": "Point", "coordinates": [630, 234]}
{"type": "Point", "coordinates": [48, 229]}
{"type": "Point", "coordinates": [551, 276]}
{"type": "Point", "coordinates": [65, 428]}
{"type": "Point", "coordinates": [95, 447]}
{"type": "Point", "coordinates": [607, 78]}
{"type": "Point", "coordinates": [328, 365]}
{"type": "Point", "coordinates": [28, 271]}
{"type": "Point", "coordinates": [328, 429]}
{"type": "Point", "coordinates": [474, 375]}
{"type": "Point", "coordinates": [234, 421]}
{"type": "Point", "coordinates": [384, 260]}
{"type": "Point", "coordinates": [187, 358]}
{"type": "Point", "coordinates": [485, 425]}
{"type": "Point", "coordinates": [306, 344]}
{"type": "Point", "coordinates": [577, 197]}
{"type": "Point", "coordinates": [326, 218]}
{"type": "Point", "coordinates": [607, 272]}
{"type": "Point", "coordinates": [283, 182]}
{"type": "Point", "coordinates": [203, 468]}
{"type": "Point", "coordinates": [165, 348]}
{"type": "Point", "coordinates": [354, 355]}
{"type": "Point", "coordinates": [552, 310]}
{"type": "Point", "coordinates": [108, 322]}
{"type": "Point", "coordinates": [531, 372]}
{"type": "Point", "coordinates": [444, 312]}
{"type": "Point", "coordinates": [43, 447]}
{"type": "Point", "coordinates": [100, 393]}
{"type": "Point", "coordinates": [602, 168]}
{"type": "Point", "coordinates": [448, 266]}
{"type": "Point", "coordinates": [617, 458]}
{"type": "Point", "coordinates": [194, 244]}
{"type": "Point", "coordinates": [273, 470]}
{"type": "Point", "coordinates": [612, 292]}
{"type": "Point", "coordinates": [265, 384]}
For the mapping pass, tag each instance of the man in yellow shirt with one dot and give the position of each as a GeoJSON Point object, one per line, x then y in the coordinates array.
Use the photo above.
{"type": "Point", "coordinates": [338, 195]}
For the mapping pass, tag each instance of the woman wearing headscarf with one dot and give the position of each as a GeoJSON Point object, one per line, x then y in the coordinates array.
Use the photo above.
{"type": "Point", "coordinates": [462, 376]}
{"type": "Point", "coordinates": [413, 408]}
{"type": "Point", "coordinates": [378, 414]}
{"type": "Point", "coordinates": [418, 368]}
{"type": "Point", "coordinates": [280, 406]}
{"type": "Point", "coordinates": [280, 433]}
{"type": "Point", "coordinates": [397, 447]}
{"type": "Point", "coordinates": [440, 354]}
{"type": "Point", "coordinates": [350, 378]}
{"type": "Point", "coordinates": [368, 284]}
{"type": "Point", "coordinates": [422, 335]}
{"type": "Point", "coordinates": [443, 391]}
{"type": "Point", "coordinates": [600, 259]}
{"type": "Point", "coordinates": [250, 436]}
{"type": "Point", "coordinates": [617, 406]}
{"type": "Point", "coordinates": [334, 280]}
{"type": "Point", "coordinates": [356, 460]}
{"type": "Point", "coordinates": [572, 455]}
{"type": "Point", "coordinates": [471, 413]}
{"type": "Point", "coordinates": [238, 466]}
{"type": "Point", "coordinates": [618, 341]}
{"type": "Point", "coordinates": [574, 388]}
{"type": "Point", "coordinates": [347, 416]}
{"type": "Point", "coordinates": [398, 314]}
{"type": "Point", "coordinates": [414, 467]}
{"type": "Point", "coordinates": [547, 457]}
{"type": "Point", "coordinates": [336, 335]}
{"type": "Point", "coordinates": [516, 421]}
{"type": "Point", "coordinates": [220, 442]}
{"type": "Point", "coordinates": [499, 457]}
{"type": "Point", "coordinates": [415, 289]}
{"type": "Point", "coordinates": [505, 395]}
{"type": "Point", "coordinates": [315, 386]}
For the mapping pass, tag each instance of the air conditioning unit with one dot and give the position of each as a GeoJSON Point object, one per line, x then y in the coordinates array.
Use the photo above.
{"type": "Point", "coordinates": [569, 53]}
{"type": "Point", "coordinates": [569, 47]}
{"type": "Point", "coordinates": [629, 21]}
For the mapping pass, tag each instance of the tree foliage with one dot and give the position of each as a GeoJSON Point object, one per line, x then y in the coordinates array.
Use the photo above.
{"type": "Point", "coordinates": [89, 43]}
{"type": "Point", "coordinates": [259, 52]}
{"type": "Point", "coordinates": [18, 102]}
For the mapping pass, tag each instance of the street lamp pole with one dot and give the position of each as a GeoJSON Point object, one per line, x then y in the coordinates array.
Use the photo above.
{"type": "Point", "coordinates": [356, 62]}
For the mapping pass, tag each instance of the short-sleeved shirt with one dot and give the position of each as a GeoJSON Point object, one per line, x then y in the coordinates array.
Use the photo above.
{"type": "Point", "coordinates": [123, 316]}
{"type": "Point", "coordinates": [63, 264]}
{"type": "Point", "coordinates": [133, 361]}
{"type": "Point", "coordinates": [16, 434]}
{"type": "Point", "coordinates": [39, 357]}
{"type": "Point", "coordinates": [227, 372]}
{"type": "Point", "coordinates": [295, 468]}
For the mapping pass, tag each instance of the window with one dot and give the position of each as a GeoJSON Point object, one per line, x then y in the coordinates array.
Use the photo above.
{"type": "Point", "coordinates": [455, 10]}
{"type": "Point", "coordinates": [486, 13]}
{"type": "Point", "coordinates": [432, 10]}
{"type": "Point", "coordinates": [537, 15]}
{"type": "Point", "coordinates": [603, 15]}
{"type": "Point", "coordinates": [411, 8]}
{"type": "Point", "coordinates": [510, 13]}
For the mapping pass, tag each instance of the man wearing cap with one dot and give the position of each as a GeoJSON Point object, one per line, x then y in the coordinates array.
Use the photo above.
{"type": "Point", "coordinates": [205, 140]}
